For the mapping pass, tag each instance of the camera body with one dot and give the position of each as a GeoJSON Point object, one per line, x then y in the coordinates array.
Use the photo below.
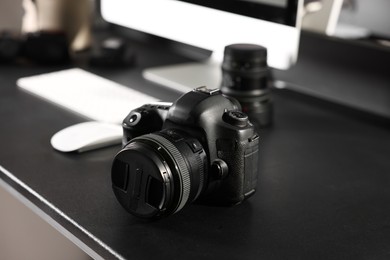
{"type": "Point", "coordinates": [203, 138]}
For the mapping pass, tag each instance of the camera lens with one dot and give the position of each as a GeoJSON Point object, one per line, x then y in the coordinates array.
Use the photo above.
{"type": "Point", "coordinates": [245, 68]}
{"type": "Point", "coordinates": [156, 175]}
{"type": "Point", "coordinates": [246, 77]}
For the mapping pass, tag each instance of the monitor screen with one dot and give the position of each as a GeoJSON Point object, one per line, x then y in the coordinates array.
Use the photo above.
{"type": "Point", "coordinates": [212, 25]}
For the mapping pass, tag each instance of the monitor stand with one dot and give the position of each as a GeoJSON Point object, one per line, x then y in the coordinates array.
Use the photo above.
{"type": "Point", "coordinates": [187, 76]}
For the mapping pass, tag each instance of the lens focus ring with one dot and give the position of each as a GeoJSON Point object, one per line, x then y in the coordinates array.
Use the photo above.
{"type": "Point", "coordinates": [156, 175]}
{"type": "Point", "coordinates": [180, 162]}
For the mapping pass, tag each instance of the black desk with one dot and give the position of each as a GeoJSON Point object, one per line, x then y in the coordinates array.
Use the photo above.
{"type": "Point", "coordinates": [324, 189]}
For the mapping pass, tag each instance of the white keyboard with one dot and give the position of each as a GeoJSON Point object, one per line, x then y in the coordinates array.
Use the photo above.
{"type": "Point", "coordinates": [87, 94]}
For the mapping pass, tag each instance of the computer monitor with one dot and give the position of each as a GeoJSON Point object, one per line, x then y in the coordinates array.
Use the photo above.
{"type": "Point", "coordinates": [211, 25]}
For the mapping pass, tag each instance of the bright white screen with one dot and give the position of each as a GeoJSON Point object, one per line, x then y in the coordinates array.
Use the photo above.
{"type": "Point", "coordinates": [205, 27]}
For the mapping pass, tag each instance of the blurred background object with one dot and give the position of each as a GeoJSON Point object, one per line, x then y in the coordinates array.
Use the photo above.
{"type": "Point", "coordinates": [348, 19]}
{"type": "Point", "coordinates": [72, 17]}
{"type": "Point", "coordinates": [321, 16]}
{"type": "Point", "coordinates": [370, 17]}
{"type": "Point", "coordinates": [344, 54]}
{"type": "Point", "coordinates": [30, 17]}
{"type": "Point", "coordinates": [11, 13]}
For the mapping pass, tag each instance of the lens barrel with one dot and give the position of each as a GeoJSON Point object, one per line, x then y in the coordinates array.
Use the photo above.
{"type": "Point", "coordinates": [156, 175]}
{"type": "Point", "coordinates": [246, 77]}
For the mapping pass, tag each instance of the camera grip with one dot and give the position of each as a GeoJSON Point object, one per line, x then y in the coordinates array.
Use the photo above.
{"type": "Point", "coordinates": [242, 160]}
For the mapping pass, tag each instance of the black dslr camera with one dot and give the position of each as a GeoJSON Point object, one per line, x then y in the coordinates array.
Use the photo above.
{"type": "Point", "coordinates": [202, 147]}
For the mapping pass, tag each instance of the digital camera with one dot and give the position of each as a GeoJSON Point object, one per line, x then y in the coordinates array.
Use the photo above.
{"type": "Point", "coordinates": [201, 147]}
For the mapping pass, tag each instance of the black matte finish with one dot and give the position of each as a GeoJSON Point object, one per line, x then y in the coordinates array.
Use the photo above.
{"type": "Point", "coordinates": [207, 117]}
{"type": "Point", "coordinates": [323, 190]}
{"type": "Point", "coordinates": [351, 73]}
{"type": "Point", "coordinates": [246, 77]}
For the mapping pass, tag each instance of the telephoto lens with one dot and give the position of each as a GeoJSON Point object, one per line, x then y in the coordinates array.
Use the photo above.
{"type": "Point", "coordinates": [247, 78]}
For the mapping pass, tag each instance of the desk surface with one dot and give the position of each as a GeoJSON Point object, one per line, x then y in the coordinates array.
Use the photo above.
{"type": "Point", "coordinates": [323, 187]}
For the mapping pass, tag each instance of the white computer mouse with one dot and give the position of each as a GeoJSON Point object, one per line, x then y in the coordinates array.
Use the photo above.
{"type": "Point", "coordinates": [86, 136]}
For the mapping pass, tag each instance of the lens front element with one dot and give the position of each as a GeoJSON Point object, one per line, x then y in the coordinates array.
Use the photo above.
{"type": "Point", "coordinates": [157, 174]}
